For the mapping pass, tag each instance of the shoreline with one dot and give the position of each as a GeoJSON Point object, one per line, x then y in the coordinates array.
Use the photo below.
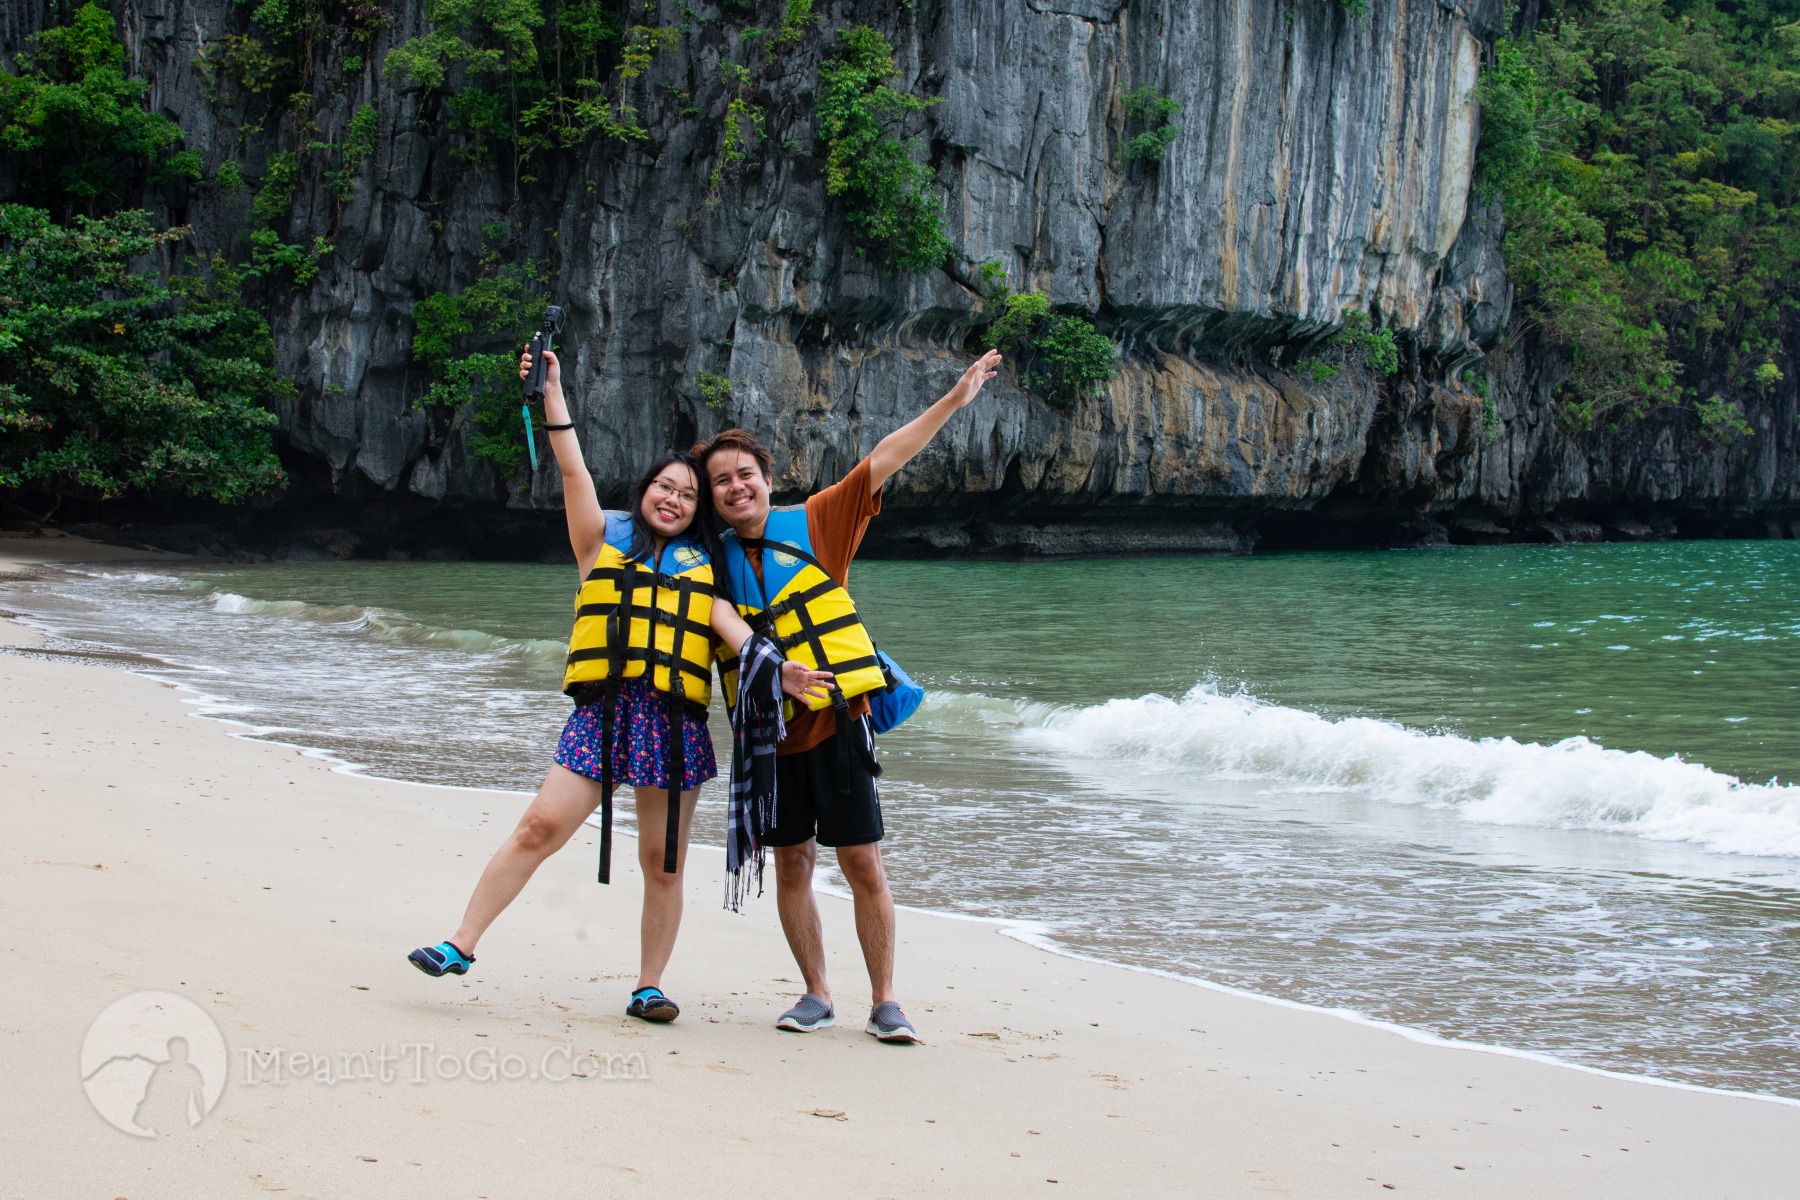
{"type": "Point", "coordinates": [1030, 932]}
{"type": "Point", "coordinates": [1025, 930]}
{"type": "Point", "coordinates": [1090, 1072]}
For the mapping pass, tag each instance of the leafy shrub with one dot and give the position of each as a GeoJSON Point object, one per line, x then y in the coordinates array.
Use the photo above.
{"type": "Point", "coordinates": [362, 137]}
{"type": "Point", "coordinates": [243, 61]}
{"type": "Point", "coordinates": [484, 37]}
{"type": "Point", "coordinates": [1376, 346]}
{"type": "Point", "coordinates": [1722, 420]}
{"type": "Point", "coordinates": [890, 198]}
{"type": "Point", "coordinates": [270, 255]}
{"type": "Point", "coordinates": [1151, 111]}
{"type": "Point", "coordinates": [527, 87]}
{"type": "Point", "coordinates": [796, 19]}
{"type": "Point", "coordinates": [714, 390]}
{"type": "Point", "coordinates": [1060, 357]}
{"type": "Point", "coordinates": [275, 198]}
{"type": "Point", "coordinates": [743, 124]}
{"type": "Point", "coordinates": [119, 382]}
{"type": "Point", "coordinates": [1356, 338]}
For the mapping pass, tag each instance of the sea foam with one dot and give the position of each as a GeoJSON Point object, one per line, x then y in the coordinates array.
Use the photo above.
{"type": "Point", "coordinates": [1573, 784]}
{"type": "Point", "coordinates": [389, 626]}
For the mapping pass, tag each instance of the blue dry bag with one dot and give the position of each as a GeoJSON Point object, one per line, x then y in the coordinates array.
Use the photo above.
{"type": "Point", "coordinates": [898, 701]}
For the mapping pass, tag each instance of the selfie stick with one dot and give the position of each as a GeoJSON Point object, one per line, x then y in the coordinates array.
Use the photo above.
{"type": "Point", "coordinates": [541, 342]}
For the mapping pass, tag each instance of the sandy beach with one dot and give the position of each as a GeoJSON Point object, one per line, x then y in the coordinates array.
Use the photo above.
{"type": "Point", "coordinates": [146, 850]}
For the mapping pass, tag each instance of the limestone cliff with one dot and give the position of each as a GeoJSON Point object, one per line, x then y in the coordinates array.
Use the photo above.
{"type": "Point", "coordinates": [1324, 161]}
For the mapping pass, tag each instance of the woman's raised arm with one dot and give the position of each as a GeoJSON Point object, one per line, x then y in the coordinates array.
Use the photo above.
{"type": "Point", "coordinates": [587, 523]}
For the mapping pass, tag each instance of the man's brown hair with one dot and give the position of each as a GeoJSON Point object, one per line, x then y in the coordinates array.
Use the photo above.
{"type": "Point", "coordinates": [733, 439]}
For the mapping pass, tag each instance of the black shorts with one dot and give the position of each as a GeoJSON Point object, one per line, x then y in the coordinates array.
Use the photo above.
{"type": "Point", "coordinates": [809, 802]}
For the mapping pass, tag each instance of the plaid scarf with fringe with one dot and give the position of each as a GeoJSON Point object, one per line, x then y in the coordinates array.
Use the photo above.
{"type": "Point", "coordinates": [756, 728]}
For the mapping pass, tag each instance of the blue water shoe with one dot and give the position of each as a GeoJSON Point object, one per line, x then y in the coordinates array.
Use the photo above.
{"type": "Point", "coordinates": [441, 959]}
{"type": "Point", "coordinates": [649, 1004]}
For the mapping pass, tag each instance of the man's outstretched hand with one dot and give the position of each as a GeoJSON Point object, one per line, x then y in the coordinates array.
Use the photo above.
{"type": "Point", "coordinates": [898, 448]}
{"type": "Point", "coordinates": [800, 683]}
{"type": "Point", "coordinates": [979, 372]}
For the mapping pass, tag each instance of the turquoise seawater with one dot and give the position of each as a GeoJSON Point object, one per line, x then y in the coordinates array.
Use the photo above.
{"type": "Point", "coordinates": [1530, 796]}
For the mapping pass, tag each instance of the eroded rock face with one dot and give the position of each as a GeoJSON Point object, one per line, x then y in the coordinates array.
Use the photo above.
{"type": "Point", "coordinates": [1324, 161]}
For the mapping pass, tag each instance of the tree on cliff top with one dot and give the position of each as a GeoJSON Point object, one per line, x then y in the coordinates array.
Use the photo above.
{"type": "Point", "coordinates": [116, 380]}
{"type": "Point", "coordinates": [74, 126]}
{"type": "Point", "coordinates": [1647, 156]}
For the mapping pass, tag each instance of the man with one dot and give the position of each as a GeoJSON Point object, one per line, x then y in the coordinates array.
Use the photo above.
{"type": "Point", "coordinates": [786, 570]}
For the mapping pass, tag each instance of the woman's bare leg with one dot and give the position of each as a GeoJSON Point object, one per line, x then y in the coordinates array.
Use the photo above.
{"type": "Point", "coordinates": [662, 893]}
{"type": "Point", "coordinates": [555, 813]}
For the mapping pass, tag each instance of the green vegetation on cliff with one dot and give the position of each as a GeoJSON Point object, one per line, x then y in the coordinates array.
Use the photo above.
{"type": "Point", "coordinates": [1149, 111]}
{"type": "Point", "coordinates": [1647, 157]}
{"type": "Point", "coordinates": [117, 376]}
{"type": "Point", "coordinates": [117, 380]}
{"type": "Point", "coordinates": [533, 73]}
{"type": "Point", "coordinates": [1059, 356]}
{"type": "Point", "coordinates": [74, 125]}
{"type": "Point", "coordinates": [1356, 339]}
{"type": "Point", "coordinates": [469, 344]}
{"type": "Point", "coordinates": [890, 198]}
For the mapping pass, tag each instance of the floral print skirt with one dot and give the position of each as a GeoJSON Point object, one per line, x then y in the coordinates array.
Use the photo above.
{"type": "Point", "coordinates": [640, 749]}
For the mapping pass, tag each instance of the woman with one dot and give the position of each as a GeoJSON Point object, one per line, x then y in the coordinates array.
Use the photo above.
{"type": "Point", "coordinates": [643, 664]}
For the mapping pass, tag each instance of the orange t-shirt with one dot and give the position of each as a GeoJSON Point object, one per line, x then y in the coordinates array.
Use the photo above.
{"type": "Point", "coordinates": [836, 519]}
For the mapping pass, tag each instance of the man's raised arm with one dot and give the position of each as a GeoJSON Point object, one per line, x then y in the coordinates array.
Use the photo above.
{"type": "Point", "coordinates": [898, 448]}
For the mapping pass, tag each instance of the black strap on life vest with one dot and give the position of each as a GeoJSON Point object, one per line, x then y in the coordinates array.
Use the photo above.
{"type": "Point", "coordinates": [662, 579]}
{"type": "Point", "coordinates": [676, 767]}
{"type": "Point", "coordinates": [609, 702]}
{"type": "Point", "coordinates": [785, 548]}
{"type": "Point", "coordinates": [650, 656]}
{"type": "Point", "coordinates": [656, 616]}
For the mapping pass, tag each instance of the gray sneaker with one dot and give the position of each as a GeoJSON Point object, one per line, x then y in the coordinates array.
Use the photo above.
{"type": "Point", "coordinates": [889, 1024]}
{"type": "Point", "coordinates": [810, 1014]}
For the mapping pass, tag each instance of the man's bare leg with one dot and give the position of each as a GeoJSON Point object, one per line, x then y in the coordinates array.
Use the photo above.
{"type": "Point", "coordinates": [662, 892]}
{"type": "Point", "coordinates": [867, 878]}
{"type": "Point", "coordinates": [555, 813]}
{"type": "Point", "coordinates": [799, 911]}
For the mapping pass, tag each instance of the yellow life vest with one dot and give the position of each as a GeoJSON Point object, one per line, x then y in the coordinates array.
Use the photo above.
{"type": "Point", "coordinates": [810, 615]}
{"type": "Point", "coordinates": [665, 628]}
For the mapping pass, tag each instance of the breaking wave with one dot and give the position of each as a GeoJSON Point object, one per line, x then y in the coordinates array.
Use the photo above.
{"type": "Point", "coordinates": [1573, 784]}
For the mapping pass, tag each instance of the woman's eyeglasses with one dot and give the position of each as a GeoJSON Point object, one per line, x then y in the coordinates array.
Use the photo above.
{"type": "Point", "coordinates": [667, 490]}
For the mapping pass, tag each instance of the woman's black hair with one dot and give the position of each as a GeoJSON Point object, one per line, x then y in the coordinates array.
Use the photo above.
{"type": "Point", "coordinates": [704, 529]}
